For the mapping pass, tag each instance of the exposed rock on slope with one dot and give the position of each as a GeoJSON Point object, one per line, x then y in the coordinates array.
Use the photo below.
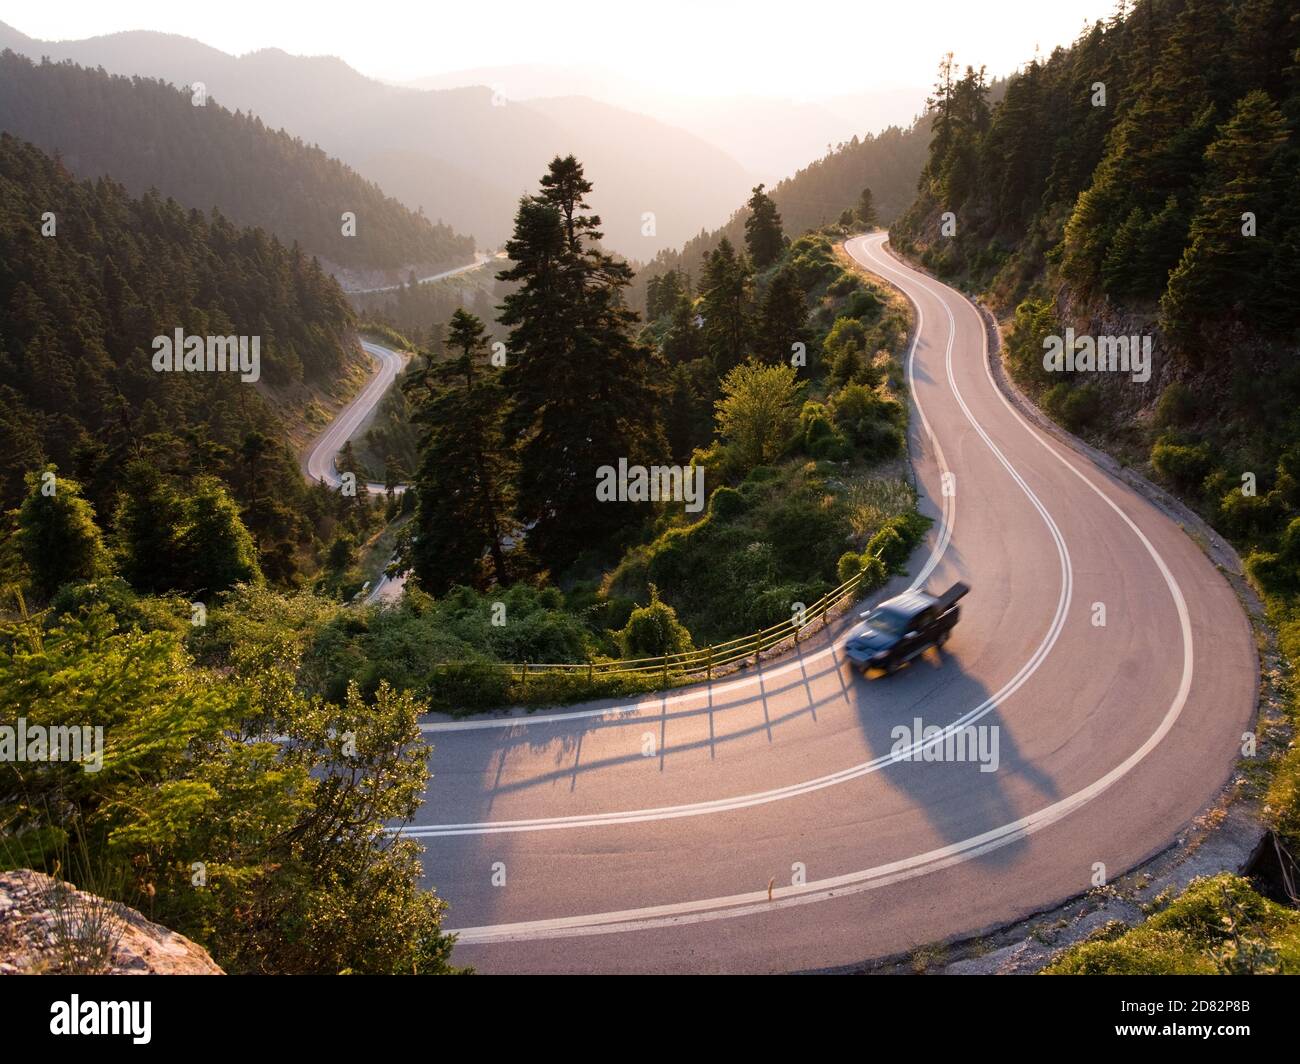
{"type": "Point", "coordinates": [43, 921]}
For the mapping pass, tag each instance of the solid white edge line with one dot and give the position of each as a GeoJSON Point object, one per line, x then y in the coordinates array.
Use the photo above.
{"type": "Point", "coordinates": [907, 868]}
{"type": "Point", "coordinates": [746, 801]}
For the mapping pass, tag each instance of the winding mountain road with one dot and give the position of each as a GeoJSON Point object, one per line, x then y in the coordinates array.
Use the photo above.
{"type": "Point", "coordinates": [318, 463]}
{"type": "Point", "coordinates": [480, 258]}
{"type": "Point", "coordinates": [643, 836]}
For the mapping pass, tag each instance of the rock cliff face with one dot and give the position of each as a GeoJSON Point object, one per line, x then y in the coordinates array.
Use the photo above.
{"type": "Point", "coordinates": [50, 927]}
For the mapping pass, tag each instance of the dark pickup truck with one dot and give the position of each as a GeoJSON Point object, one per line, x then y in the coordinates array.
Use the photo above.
{"type": "Point", "coordinates": [903, 627]}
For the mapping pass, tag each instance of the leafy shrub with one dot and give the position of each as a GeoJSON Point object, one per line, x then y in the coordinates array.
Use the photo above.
{"type": "Point", "coordinates": [864, 304]}
{"type": "Point", "coordinates": [654, 630]}
{"type": "Point", "coordinates": [1176, 406]}
{"type": "Point", "coordinates": [1279, 570]}
{"type": "Point", "coordinates": [1074, 406]}
{"type": "Point", "coordinates": [873, 568]}
{"type": "Point", "coordinates": [896, 540]}
{"type": "Point", "coordinates": [845, 284]}
{"type": "Point", "coordinates": [1182, 466]}
{"type": "Point", "coordinates": [819, 436]}
{"type": "Point", "coordinates": [726, 503]}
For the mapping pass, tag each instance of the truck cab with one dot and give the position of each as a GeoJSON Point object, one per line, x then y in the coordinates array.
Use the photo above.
{"type": "Point", "coordinates": [903, 628]}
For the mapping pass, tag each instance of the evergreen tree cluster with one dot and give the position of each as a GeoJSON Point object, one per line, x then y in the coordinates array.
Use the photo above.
{"type": "Point", "coordinates": [888, 163]}
{"type": "Point", "coordinates": [79, 310]}
{"type": "Point", "coordinates": [579, 392]}
{"type": "Point", "coordinates": [1157, 160]}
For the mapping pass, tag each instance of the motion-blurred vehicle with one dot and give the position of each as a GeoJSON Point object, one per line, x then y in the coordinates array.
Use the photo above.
{"type": "Point", "coordinates": [903, 627]}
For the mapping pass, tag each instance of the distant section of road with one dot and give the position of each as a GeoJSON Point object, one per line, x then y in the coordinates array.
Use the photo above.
{"type": "Point", "coordinates": [480, 259]}
{"type": "Point", "coordinates": [320, 460]}
{"type": "Point", "coordinates": [789, 817]}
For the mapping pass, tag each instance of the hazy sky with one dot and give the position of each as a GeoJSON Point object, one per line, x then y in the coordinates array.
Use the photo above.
{"type": "Point", "coordinates": [796, 48]}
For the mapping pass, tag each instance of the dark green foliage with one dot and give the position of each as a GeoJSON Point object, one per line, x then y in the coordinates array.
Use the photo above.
{"type": "Point", "coordinates": [653, 630]}
{"type": "Point", "coordinates": [58, 539]}
{"type": "Point", "coordinates": [1183, 466]}
{"type": "Point", "coordinates": [1140, 196]}
{"type": "Point", "coordinates": [726, 304]}
{"type": "Point", "coordinates": [764, 237]}
{"type": "Point", "coordinates": [81, 310]}
{"type": "Point", "coordinates": [782, 319]}
{"type": "Point", "coordinates": [465, 484]}
{"type": "Point", "coordinates": [1075, 406]}
{"type": "Point", "coordinates": [582, 391]}
{"type": "Point", "coordinates": [187, 538]}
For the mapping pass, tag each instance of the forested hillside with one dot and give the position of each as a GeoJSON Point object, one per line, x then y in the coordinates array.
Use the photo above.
{"type": "Point", "coordinates": [888, 163]}
{"type": "Point", "coordinates": [88, 278]}
{"type": "Point", "coordinates": [1146, 181]}
{"type": "Point", "coordinates": [147, 134]}
{"type": "Point", "coordinates": [1145, 184]}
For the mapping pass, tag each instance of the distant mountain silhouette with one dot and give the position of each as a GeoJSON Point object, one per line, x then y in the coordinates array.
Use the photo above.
{"type": "Point", "coordinates": [770, 136]}
{"type": "Point", "coordinates": [464, 155]}
{"type": "Point", "coordinates": [147, 134]}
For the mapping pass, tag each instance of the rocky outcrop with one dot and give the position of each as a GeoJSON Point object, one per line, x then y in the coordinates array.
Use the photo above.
{"type": "Point", "coordinates": [49, 927]}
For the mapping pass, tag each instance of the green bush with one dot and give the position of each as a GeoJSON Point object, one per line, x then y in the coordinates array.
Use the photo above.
{"type": "Point", "coordinates": [845, 284]}
{"type": "Point", "coordinates": [1176, 406]}
{"type": "Point", "coordinates": [864, 305]}
{"type": "Point", "coordinates": [819, 437]}
{"type": "Point", "coordinates": [1074, 406]}
{"type": "Point", "coordinates": [654, 630]}
{"type": "Point", "coordinates": [1279, 570]}
{"type": "Point", "coordinates": [726, 503]}
{"type": "Point", "coordinates": [1185, 467]}
{"type": "Point", "coordinates": [890, 547]}
{"type": "Point", "coordinates": [896, 540]}
{"type": "Point", "coordinates": [849, 565]}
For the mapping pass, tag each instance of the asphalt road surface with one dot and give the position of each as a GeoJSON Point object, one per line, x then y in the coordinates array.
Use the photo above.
{"type": "Point", "coordinates": [479, 259]}
{"type": "Point", "coordinates": [319, 461]}
{"type": "Point", "coordinates": [643, 836]}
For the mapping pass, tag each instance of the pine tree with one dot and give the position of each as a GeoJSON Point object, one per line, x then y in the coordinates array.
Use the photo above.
{"type": "Point", "coordinates": [147, 530]}
{"type": "Point", "coordinates": [1222, 264]}
{"type": "Point", "coordinates": [726, 291]}
{"type": "Point", "coordinates": [867, 214]}
{"type": "Point", "coordinates": [683, 342]}
{"type": "Point", "coordinates": [464, 487]}
{"type": "Point", "coordinates": [764, 236]}
{"type": "Point", "coordinates": [58, 539]}
{"type": "Point", "coordinates": [584, 391]}
{"type": "Point", "coordinates": [782, 319]}
{"type": "Point", "coordinates": [216, 548]}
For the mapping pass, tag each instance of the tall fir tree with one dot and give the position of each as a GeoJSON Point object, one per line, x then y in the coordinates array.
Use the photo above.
{"type": "Point", "coordinates": [584, 393]}
{"type": "Point", "coordinates": [58, 539]}
{"type": "Point", "coordinates": [782, 320]}
{"type": "Point", "coordinates": [764, 235]}
{"type": "Point", "coordinates": [726, 303]}
{"type": "Point", "coordinates": [464, 488]}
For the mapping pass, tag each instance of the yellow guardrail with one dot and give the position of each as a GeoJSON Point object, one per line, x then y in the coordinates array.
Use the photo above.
{"type": "Point", "coordinates": [703, 661]}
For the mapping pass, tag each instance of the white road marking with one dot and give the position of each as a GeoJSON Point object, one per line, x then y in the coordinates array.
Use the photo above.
{"type": "Point", "coordinates": [746, 801]}
{"type": "Point", "coordinates": [868, 879]}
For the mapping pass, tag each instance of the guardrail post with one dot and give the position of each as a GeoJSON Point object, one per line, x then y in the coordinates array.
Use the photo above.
{"type": "Point", "coordinates": [665, 670]}
{"type": "Point", "coordinates": [590, 667]}
{"type": "Point", "coordinates": [523, 677]}
{"type": "Point", "coordinates": [708, 675]}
